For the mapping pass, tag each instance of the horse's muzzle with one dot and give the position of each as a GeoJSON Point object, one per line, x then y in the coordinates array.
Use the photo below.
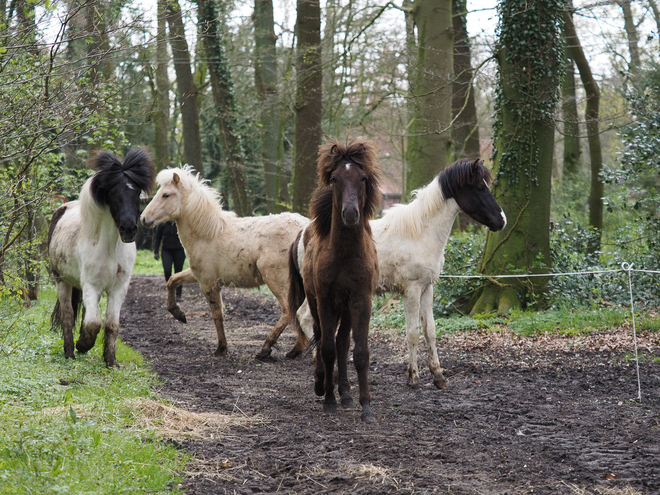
{"type": "Point", "coordinates": [128, 234]}
{"type": "Point", "coordinates": [350, 217]}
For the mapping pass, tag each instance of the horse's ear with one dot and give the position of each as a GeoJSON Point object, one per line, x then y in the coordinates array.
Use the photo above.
{"type": "Point", "coordinates": [476, 163]}
{"type": "Point", "coordinates": [334, 149]}
{"type": "Point", "coordinates": [176, 180]}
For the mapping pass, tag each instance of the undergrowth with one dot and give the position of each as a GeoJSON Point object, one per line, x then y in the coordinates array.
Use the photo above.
{"type": "Point", "coordinates": [67, 426]}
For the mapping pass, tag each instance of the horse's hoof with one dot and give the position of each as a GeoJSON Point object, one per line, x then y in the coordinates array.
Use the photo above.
{"type": "Point", "coordinates": [347, 401]}
{"type": "Point", "coordinates": [82, 347]}
{"type": "Point", "coordinates": [330, 407]}
{"type": "Point", "coordinates": [69, 356]}
{"type": "Point", "coordinates": [220, 351]}
{"type": "Point", "coordinates": [264, 355]}
{"type": "Point", "coordinates": [112, 364]}
{"type": "Point", "coordinates": [293, 353]}
{"type": "Point", "coordinates": [367, 414]}
{"type": "Point", "coordinates": [440, 382]}
{"type": "Point", "coordinates": [179, 315]}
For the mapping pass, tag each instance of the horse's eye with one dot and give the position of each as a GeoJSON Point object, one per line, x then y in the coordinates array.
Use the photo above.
{"type": "Point", "coordinates": [364, 179]}
{"type": "Point", "coordinates": [333, 179]}
{"type": "Point", "coordinates": [166, 195]}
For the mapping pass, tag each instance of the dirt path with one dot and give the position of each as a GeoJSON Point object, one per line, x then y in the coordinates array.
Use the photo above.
{"type": "Point", "coordinates": [519, 416]}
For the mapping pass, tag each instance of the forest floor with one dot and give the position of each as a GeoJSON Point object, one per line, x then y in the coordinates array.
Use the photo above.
{"type": "Point", "coordinates": [553, 414]}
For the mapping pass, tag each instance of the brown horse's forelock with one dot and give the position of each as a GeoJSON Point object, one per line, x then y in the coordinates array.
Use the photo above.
{"type": "Point", "coordinates": [461, 174]}
{"type": "Point", "coordinates": [360, 152]}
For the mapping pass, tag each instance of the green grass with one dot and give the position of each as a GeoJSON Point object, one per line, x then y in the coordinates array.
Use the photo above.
{"type": "Point", "coordinates": [67, 426]}
{"type": "Point", "coordinates": [145, 264]}
{"type": "Point", "coordinates": [387, 312]}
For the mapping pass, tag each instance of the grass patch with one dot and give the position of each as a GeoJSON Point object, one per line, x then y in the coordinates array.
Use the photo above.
{"type": "Point", "coordinates": [566, 322]}
{"type": "Point", "coordinates": [145, 264]}
{"type": "Point", "coordinates": [71, 426]}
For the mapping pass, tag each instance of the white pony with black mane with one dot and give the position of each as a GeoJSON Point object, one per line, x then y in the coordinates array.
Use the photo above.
{"type": "Point", "coordinates": [410, 242]}
{"type": "Point", "coordinates": [224, 249]}
{"type": "Point", "coordinates": [92, 250]}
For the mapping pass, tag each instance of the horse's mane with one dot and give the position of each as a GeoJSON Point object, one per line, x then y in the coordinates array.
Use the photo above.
{"type": "Point", "coordinates": [409, 220]}
{"type": "Point", "coordinates": [203, 203]}
{"type": "Point", "coordinates": [137, 169]}
{"type": "Point", "coordinates": [463, 173]}
{"type": "Point", "coordinates": [362, 153]}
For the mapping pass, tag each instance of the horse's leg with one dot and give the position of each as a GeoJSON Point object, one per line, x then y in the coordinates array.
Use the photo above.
{"type": "Point", "coordinates": [214, 298]}
{"type": "Point", "coordinates": [360, 315]}
{"type": "Point", "coordinates": [91, 324]}
{"type": "Point", "coordinates": [319, 373]}
{"type": "Point", "coordinates": [428, 326]}
{"type": "Point", "coordinates": [411, 297]}
{"type": "Point", "coordinates": [328, 318]}
{"type": "Point", "coordinates": [279, 327]}
{"type": "Point", "coordinates": [115, 301]}
{"type": "Point", "coordinates": [343, 345]}
{"type": "Point", "coordinates": [184, 277]}
{"type": "Point", "coordinates": [66, 317]}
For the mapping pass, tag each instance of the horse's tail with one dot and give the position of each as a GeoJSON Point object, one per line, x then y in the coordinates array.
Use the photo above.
{"type": "Point", "coordinates": [56, 315]}
{"type": "Point", "coordinates": [296, 288]}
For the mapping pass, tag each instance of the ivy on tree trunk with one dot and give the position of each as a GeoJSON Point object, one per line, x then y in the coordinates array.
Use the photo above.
{"type": "Point", "coordinates": [529, 54]}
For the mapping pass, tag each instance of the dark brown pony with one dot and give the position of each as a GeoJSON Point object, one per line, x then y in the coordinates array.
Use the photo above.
{"type": "Point", "coordinates": [340, 267]}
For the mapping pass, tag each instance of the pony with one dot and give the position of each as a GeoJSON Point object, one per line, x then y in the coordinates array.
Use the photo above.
{"type": "Point", "coordinates": [410, 242]}
{"type": "Point", "coordinates": [92, 250]}
{"type": "Point", "coordinates": [340, 267]}
{"type": "Point", "coordinates": [224, 249]}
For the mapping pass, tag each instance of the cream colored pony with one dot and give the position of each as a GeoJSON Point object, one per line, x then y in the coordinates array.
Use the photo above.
{"type": "Point", "coordinates": [224, 249]}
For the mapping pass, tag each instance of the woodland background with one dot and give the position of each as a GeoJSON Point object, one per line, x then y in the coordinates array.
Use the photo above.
{"type": "Point", "coordinates": [561, 100]}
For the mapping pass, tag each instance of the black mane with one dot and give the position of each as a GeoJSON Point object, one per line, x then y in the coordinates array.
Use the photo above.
{"type": "Point", "coordinates": [320, 210]}
{"type": "Point", "coordinates": [463, 173]}
{"type": "Point", "coordinates": [137, 169]}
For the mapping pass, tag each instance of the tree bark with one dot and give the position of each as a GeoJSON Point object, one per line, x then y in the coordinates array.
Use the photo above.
{"type": "Point", "coordinates": [265, 74]}
{"type": "Point", "coordinates": [161, 113]}
{"type": "Point", "coordinates": [592, 116]}
{"type": "Point", "coordinates": [633, 37]}
{"type": "Point", "coordinates": [429, 141]}
{"type": "Point", "coordinates": [571, 166]}
{"type": "Point", "coordinates": [308, 105]}
{"type": "Point", "coordinates": [527, 96]}
{"type": "Point", "coordinates": [411, 67]}
{"type": "Point", "coordinates": [222, 88]}
{"type": "Point", "coordinates": [656, 13]}
{"type": "Point", "coordinates": [186, 89]}
{"type": "Point", "coordinates": [464, 109]}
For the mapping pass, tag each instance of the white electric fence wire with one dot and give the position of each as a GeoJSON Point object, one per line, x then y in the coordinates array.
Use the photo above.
{"type": "Point", "coordinates": [625, 267]}
{"type": "Point", "coordinates": [628, 268]}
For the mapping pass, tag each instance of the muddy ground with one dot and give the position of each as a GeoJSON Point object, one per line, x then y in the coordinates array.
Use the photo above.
{"type": "Point", "coordinates": [551, 415]}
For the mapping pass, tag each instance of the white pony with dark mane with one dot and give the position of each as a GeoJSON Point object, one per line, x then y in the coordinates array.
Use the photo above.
{"type": "Point", "coordinates": [410, 242]}
{"type": "Point", "coordinates": [224, 249]}
{"type": "Point", "coordinates": [92, 250]}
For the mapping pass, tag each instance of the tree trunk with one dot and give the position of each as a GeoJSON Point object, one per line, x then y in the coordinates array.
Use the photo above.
{"type": "Point", "coordinates": [308, 102]}
{"type": "Point", "coordinates": [464, 109]}
{"type": "Point", "coordinates": [161, 113]}
{"type": "Point", "coordinates": [593, 134]}
{"type": "Point", "coordinates": [411, 68]}
{"type": "Point", "coordinates": [265, 74]}
{"type": "Point", "coordinates": [186, 89]}
{"type": "Point", "coordinates": [633, 37]}
{"type": "Point", "coordinates": [225, 106]}
{"type": "Point", "coordinates": [656, 13]}
{"type": "Point", "coordinates": [429, 141]}
{"type": "Point", "coordinates": [571, 166]}
{"type": "Point", "coordinates": [528, 79]}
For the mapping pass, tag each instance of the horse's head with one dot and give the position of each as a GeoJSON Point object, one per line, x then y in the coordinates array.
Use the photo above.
{"type": "Point", "coordinates": [351, 173]}
{"type": "Point", "coordinates": [166, 204]}
{"type": "Point", "coordinates": [468, 181]}
{"type": "Point", "coordinates": [119, 186]}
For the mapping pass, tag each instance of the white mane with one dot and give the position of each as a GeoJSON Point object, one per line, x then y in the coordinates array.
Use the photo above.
{"type": "Point", "coordinates": [90, 212]}
{"type": "Point", "coordinates": [201, 202]}
{"type": "Point", "coordinates": [409, 220]}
